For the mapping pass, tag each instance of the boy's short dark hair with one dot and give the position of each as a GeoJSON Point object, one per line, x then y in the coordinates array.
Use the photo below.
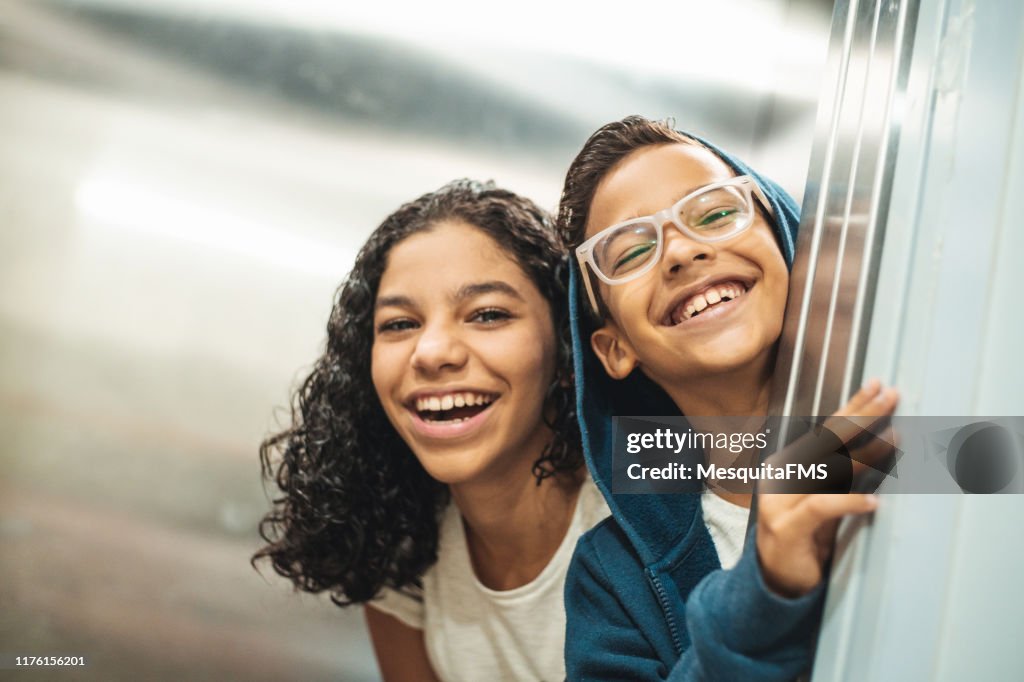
{"type": "Point", "coordinates": [605, 148]}
{"type": "Point", "coordinates": [610, 144]}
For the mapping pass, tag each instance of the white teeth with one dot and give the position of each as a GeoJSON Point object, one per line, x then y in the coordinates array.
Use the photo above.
{"type": "Point", "coordinates": [451, 400]}
{"type": "Point", "coordinates": [712, 296]}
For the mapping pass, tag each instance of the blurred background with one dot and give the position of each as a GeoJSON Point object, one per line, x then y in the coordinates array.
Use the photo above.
{"type": "Point", "coordinates": [184, 184]}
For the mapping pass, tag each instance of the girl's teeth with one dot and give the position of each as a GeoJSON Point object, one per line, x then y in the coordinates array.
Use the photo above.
{"type": "Point", "coordinates": [450, 401]}
{"type": "Point", "coordinates": [712, 296]}
{"type": "Point", "coordinates": [700, 303]}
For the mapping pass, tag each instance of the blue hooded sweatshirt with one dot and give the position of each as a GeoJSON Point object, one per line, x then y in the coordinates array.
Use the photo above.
{"type": "Point", "coordinates": [645, 596]}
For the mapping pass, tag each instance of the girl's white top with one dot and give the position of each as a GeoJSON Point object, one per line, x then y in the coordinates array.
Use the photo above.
{"type": "Point", "coordinates": [475, 633]}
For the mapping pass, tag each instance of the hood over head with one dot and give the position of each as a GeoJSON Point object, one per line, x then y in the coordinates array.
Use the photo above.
{"type": "Point", "coordinates": [599, 398]}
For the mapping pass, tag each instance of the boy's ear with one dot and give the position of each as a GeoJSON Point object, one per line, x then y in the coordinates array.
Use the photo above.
{"type": "Point", "coordinates": [614, 350]}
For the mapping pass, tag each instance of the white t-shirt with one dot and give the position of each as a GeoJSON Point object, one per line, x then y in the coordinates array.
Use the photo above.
{"type": "Point", "coordinates": [475, 633]}
{"type": "Point", "coordinates": [727, 524]}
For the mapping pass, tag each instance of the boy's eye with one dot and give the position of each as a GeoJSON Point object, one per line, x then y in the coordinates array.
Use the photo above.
{"type": "Point", "coordinates": [718, 217]}
{"type": "Point", "coordinates": [398, 325]}
{"type": "Point", "coordinates": [633, 257]}
{"type": "Point", "coordinates": [490, 316]}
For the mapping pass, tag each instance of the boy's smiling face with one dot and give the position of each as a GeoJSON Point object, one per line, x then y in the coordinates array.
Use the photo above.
{"type": "Point", "coordinates": [736, 287]}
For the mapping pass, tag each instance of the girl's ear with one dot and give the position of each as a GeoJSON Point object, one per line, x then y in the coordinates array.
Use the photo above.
{"type": "Point", "coordinates": [614, 350]}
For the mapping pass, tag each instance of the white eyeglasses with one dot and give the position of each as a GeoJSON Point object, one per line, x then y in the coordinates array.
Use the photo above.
{"type": "Point", "coordinates": [628, 250]}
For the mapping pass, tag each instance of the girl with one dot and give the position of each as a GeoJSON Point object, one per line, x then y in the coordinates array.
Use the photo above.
{"type": "Point", "coordinates": [432, 470]}
{"type": "Point", "coordinates": [683, 254]}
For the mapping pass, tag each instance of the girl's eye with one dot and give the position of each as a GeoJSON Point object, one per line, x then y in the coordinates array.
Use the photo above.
{"type": "Point", "coordinates": [490, 316]}
{"type": "Point", "coordinates": [399, 325]}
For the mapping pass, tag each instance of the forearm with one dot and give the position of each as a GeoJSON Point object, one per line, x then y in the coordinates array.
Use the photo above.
{"type": "Point", "coordinates": [740, 629]}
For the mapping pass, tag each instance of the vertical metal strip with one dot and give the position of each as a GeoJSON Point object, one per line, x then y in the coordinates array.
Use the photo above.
{"type": "Point", "coordinates": [835, 290]}
{"type": "Point", "coordinates": [880, 195]}
{"type": "Point", "coordinates": [805, 262]}
{"type": "Point", "coordinates": [828, 318]}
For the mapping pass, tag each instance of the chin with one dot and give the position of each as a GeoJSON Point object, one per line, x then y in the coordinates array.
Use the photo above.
{"type": "Point", "coordinates": [452, 468]}
{"type": "Point", "coordinates": [710, 362]}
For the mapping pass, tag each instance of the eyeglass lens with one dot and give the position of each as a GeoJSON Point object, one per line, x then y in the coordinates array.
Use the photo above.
{"type": "Point", "coordinates": [715, 214]}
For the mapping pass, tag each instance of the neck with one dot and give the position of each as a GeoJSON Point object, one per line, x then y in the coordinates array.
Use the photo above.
{"type": "Point", "coordinates": [513, 526]}
{"type": "Point", "coordinates": [743, 392]}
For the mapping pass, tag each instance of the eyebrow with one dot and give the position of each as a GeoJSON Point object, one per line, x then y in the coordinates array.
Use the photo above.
{"type": "Point", "coordinates": [679, 197]}
{"type": "Point", "coordinates": [479, 289]}
{"type": "Point", "coordinates": [463, 293]}
{"type": "Point", "coordinates": [393, 302]}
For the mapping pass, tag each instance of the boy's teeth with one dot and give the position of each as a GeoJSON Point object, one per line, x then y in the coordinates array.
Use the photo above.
{"type": "Point", "coordinates": [712, 296]}
{"type": "Point", "coordinates": [460, 400]}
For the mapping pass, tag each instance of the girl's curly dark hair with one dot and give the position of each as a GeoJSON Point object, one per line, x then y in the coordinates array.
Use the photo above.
{"type": "Point", "coordinates": [357, 512]}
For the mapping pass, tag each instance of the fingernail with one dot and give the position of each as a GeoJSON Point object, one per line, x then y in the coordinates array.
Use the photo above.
{"type": "Point", "coordinates": [872, 501]}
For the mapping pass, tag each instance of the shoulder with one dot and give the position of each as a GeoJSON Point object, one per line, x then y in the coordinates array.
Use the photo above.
{"type": "Point", "coordinates": [406, 605]}
{"type": "Point", "coordinates": [604, 555]}
{"type": "Point", "coordinates": [409, 603]}
{"type": "Point", "coordinates": [606, 540]}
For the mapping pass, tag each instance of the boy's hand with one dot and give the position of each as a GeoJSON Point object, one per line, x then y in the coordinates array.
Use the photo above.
{"type": "Point", "coordinates": [795, 533]}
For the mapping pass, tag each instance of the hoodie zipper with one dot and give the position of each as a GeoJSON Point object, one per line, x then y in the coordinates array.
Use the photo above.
{"type": "Point", "coordinates": [673, 631]}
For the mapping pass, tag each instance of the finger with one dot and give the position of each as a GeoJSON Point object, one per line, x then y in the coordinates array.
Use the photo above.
{"type": "Point", "coordinates": [867, 392]}
{"type": "Point", "coordinates": [848, 426]}
{"type": "Point", "coordinates": [886, 401]}
{"type": "Point", "coordinates": [881, 402]}
{"type": "Point", "coordinates": [815, 510]}
{"type": "Point", "coordinates": [776, 505]}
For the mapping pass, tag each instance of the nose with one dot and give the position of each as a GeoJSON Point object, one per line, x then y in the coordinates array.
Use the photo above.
{"type": "Point", "coordinates": [681, 251]}
{"type": "Point", "coordinates": [438, 348]}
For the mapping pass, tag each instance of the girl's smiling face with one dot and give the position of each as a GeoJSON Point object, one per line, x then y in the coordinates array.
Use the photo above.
{"type": "Point", "coordinates": [463, 353]}
{"type": "Point", "coordinates": [737, 287]}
